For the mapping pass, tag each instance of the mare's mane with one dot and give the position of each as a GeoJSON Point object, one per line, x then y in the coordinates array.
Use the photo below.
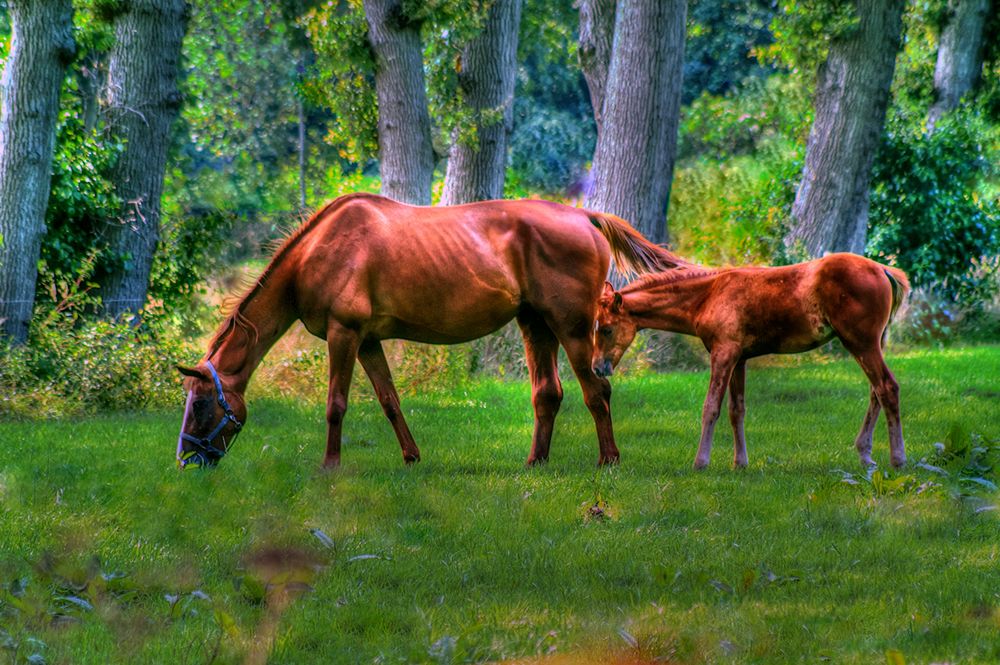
{"type": "Point", "coordinates": [235, 319]}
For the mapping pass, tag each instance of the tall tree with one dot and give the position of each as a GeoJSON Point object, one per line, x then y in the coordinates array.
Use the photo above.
{"type": "Point", "coordinates": [830, 213]}
{"type": "Point", "coordinates": [486, 83]}
{"type": "Point", "coordinates": [42, 46]}
{"type": "Point", "coordinates": [406, 157]}
{"type": "Point", "coordinates": [597, 32]}
{"type": "Point", "coordinates": [960, 55]}
{"type": "Point", "coordinates": [634, 159]}
{"type": "Point", "coordinates": [143, 101]}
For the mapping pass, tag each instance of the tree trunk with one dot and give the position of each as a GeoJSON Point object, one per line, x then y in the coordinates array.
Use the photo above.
{"type": "Point", "coordinates": [42, 46]}
{"type": "Point", "coordinates": [830, 213]}
{"type": "Point", "coordinates": [406, 158]}
{"type": "Point", "coordinates": [143, 102]}
{"type": "Point", "coordinates": [960, 56]}
{"type": "Point", "coordinates": [486, 83]}
{"type": "Point", "coordinates": [597, 32]}
{"type": "Point", "coordinates": [634, 158]}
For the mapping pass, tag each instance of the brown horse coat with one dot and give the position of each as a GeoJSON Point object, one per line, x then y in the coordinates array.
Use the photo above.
{"type": "Point", "coordinates": [366, 268]}
{"type": "Point", "coordinates": [739, 313]}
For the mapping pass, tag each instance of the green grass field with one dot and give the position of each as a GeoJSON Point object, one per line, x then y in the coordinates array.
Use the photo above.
{"type": "Point", "coordinates": [109, 555]}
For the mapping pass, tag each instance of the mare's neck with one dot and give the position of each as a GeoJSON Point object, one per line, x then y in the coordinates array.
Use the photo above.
{"type": "Point", "coordinates": [262, 320]}
{"type": "Point", "coordinates": [672, 306]}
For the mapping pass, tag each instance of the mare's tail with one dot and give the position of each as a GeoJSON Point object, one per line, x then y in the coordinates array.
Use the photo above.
{"type": "Point", "coordinates": [633, 253]}
{"type": "Point", "coordinates": [900, 289]}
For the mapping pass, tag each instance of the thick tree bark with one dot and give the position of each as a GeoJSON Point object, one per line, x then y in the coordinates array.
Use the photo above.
{"type": "Point", "coordinates": [489, 69]}
{"type": "Point", "coordinates": [597, 32]}
{"type": "Point", "coordinates": [143, 102]}
{"type": "Point", "coordinates": [959, 57]}
{"type": "Point", "coordinates": [406, 156]}
{"type": "Point", "coordinates": [42, 46]}
{"type": "Point", "coordinates": [830, 213]}
{"type": "Point", "coordinates": [634, 158]}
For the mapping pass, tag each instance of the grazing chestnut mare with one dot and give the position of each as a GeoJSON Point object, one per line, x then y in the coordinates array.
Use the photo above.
{"type": "Point", "coordinates": [739, 313]}
{"type": "Point", "coordinates": [365, 268]}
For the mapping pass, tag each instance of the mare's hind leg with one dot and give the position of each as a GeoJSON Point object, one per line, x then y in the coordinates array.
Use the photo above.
{"type": "Point", "coordinates": [724, 359]}
{"type": "Point", "coordinates": [342, 344]}
{"type": "Point", "coordinates": [863, 443]}
{"type": "Point", "coordinates": [737, 411]}
{"type": "Point", "coordinates": [596, 391]}
{"type": "Point", "coordinates": [541, 348]}
{"type": "Point", "coordinates": [886, 389]}
{"type": "Point", "coordinates": [374, 363]}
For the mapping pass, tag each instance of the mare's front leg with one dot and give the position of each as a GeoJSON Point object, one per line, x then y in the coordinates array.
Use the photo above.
{"type": "Point", "coordinates": [342, 344]}
{"type": "Point", "coordinates": [737, 411]}
{"type": "Point", "coordinates": [374, 363]}
{"type": "Point", "coordinates": [724, 359]}
{"type": "Point", "coordinates": [541, 349]}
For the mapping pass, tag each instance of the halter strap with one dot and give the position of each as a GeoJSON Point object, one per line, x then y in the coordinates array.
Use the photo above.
{"type": "Point", "coordinates": [204, 445]}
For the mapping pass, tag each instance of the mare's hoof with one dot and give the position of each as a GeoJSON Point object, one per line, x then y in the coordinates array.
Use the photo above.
{"type": "Point", "coordinates": [536, 461]}
{"type": "Point", "coordinates": [605, 460]}
{"type": "Point", "coordinates": [331, 464]}
{"type": "Point", "coordinates": [410, 460]}
{"type": "Point", "coordinates": [739, 464]}
{"type": "Point", "coordinates": [898, 462]}
{"type": "Point", "coordinates": [700, 464]}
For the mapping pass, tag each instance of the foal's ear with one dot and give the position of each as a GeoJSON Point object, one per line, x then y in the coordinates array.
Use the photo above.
{"type": "Point", "coordinates": [616, 302]}
{"type": "Point", "coordinates": [192, 372]}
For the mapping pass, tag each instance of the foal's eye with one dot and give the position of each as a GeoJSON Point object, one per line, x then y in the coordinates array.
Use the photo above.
{"type": "Point", "coordinates": [605, 331]}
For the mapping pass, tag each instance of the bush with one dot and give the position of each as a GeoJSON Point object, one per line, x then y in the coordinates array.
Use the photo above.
{"type": "Point", "coordinates": [927, 214]}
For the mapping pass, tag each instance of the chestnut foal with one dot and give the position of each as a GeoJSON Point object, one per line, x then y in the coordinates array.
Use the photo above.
{"type": "Point", "coordinates": [739, 313]}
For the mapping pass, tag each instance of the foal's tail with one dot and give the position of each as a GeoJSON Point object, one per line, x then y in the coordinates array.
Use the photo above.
{"type": "Point", "coordinates": [633, 253]}
{"type": "Point", "coordinates": [900, 289]}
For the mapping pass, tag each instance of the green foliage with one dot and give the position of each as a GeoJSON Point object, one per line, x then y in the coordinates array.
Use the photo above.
{"type": "Point", "coordinates": [928, 215]}
{"type": "Point", "coordinates": [550, 151]}
{"type": "Point", "coordinates": [82, 201]}
{"type": "Point", "coordinates": [723, 36]}
{"type": "Point", "coordinates": [804, 29]}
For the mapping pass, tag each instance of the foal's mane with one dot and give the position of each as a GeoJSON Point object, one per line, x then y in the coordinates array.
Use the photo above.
{"type": "Point", "coordinates": [653, 280]}
{"type": "Point", "coordinates": [235, 318]}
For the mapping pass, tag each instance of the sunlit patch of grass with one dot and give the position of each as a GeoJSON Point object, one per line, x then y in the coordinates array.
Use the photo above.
{"type": "Point", "coordinates": [470, 557]}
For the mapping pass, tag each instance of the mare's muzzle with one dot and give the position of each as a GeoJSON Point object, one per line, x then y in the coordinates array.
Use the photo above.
{"type": "Point", "coordinates": [205, 453]}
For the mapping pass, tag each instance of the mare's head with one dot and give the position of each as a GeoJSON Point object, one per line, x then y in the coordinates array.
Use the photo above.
{"type": "Point", "coordinates": [613, 332]}
{"type": "Point", "coordinates": [213, 416]}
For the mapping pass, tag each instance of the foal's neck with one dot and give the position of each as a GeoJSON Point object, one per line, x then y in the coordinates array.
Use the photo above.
{"type": "Point", "coordinates": [671, 305]}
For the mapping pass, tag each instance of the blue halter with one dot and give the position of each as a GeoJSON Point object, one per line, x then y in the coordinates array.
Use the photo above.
{"type": "Point", "coordinates": [205, 453]}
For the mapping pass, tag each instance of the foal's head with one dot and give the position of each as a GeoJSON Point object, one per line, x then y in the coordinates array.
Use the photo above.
{"type": "Point", "coordinates": [613, 332]}
{"type": "Point", "coordinates": [213, 416]}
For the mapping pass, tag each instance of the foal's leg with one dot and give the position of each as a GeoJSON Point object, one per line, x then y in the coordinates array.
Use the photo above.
{"type": "Point", "coordinates": [342, 344]}
{"type": "Point", "coordinates": [886, 389]}
{"type": "Point", "coordinates": [541, 348]}
{"type": "Point", "coordinates": [373, 361]}
{"type": "Point", "coordinates": [863, 443]}
{"type": "Point", "coordinates": [724, 359]}
{"type": "Point", "coordinates": [737, 410]}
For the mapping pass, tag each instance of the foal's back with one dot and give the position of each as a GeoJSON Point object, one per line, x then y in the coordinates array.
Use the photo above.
{"type": "Point", "coordinates": [790, 309]}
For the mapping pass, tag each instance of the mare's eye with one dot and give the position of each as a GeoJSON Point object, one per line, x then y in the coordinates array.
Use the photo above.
{"type": "Point", "coordinates": [202, 409]}
{"type": "Point", "coordinates": [605, 331]}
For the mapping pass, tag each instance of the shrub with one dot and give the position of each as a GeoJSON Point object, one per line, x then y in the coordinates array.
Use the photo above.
{"type": "Point", "coordinates": [927, 213]}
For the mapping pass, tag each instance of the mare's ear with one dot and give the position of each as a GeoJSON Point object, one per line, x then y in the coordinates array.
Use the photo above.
{"type": "Point", "coordinates": [616, 302]}
{"type": "Point", "coordinates": [192, 372]}
{"type": "Point", "coordinates": [609, 289]}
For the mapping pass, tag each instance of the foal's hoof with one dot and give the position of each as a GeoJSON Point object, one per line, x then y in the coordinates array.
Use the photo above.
{"type": "Point", "coordinates": [535, 461]}
{"type": "Point", "coordinates": [613, 458]}
{"type": "Point", "coordinates": [898, 462]}
{"type": "Point", "coordinates": [700, 464]}
{"type": "Point", "coordinates": [410, 460]}
{"type": "Point", "coordinates": [739, 464]}
{"type": "Point", "coordinates": [331, 463]}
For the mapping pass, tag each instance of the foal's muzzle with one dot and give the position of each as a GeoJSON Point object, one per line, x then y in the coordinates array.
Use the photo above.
{"type": "Point", "coordinates": [603, 368]}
